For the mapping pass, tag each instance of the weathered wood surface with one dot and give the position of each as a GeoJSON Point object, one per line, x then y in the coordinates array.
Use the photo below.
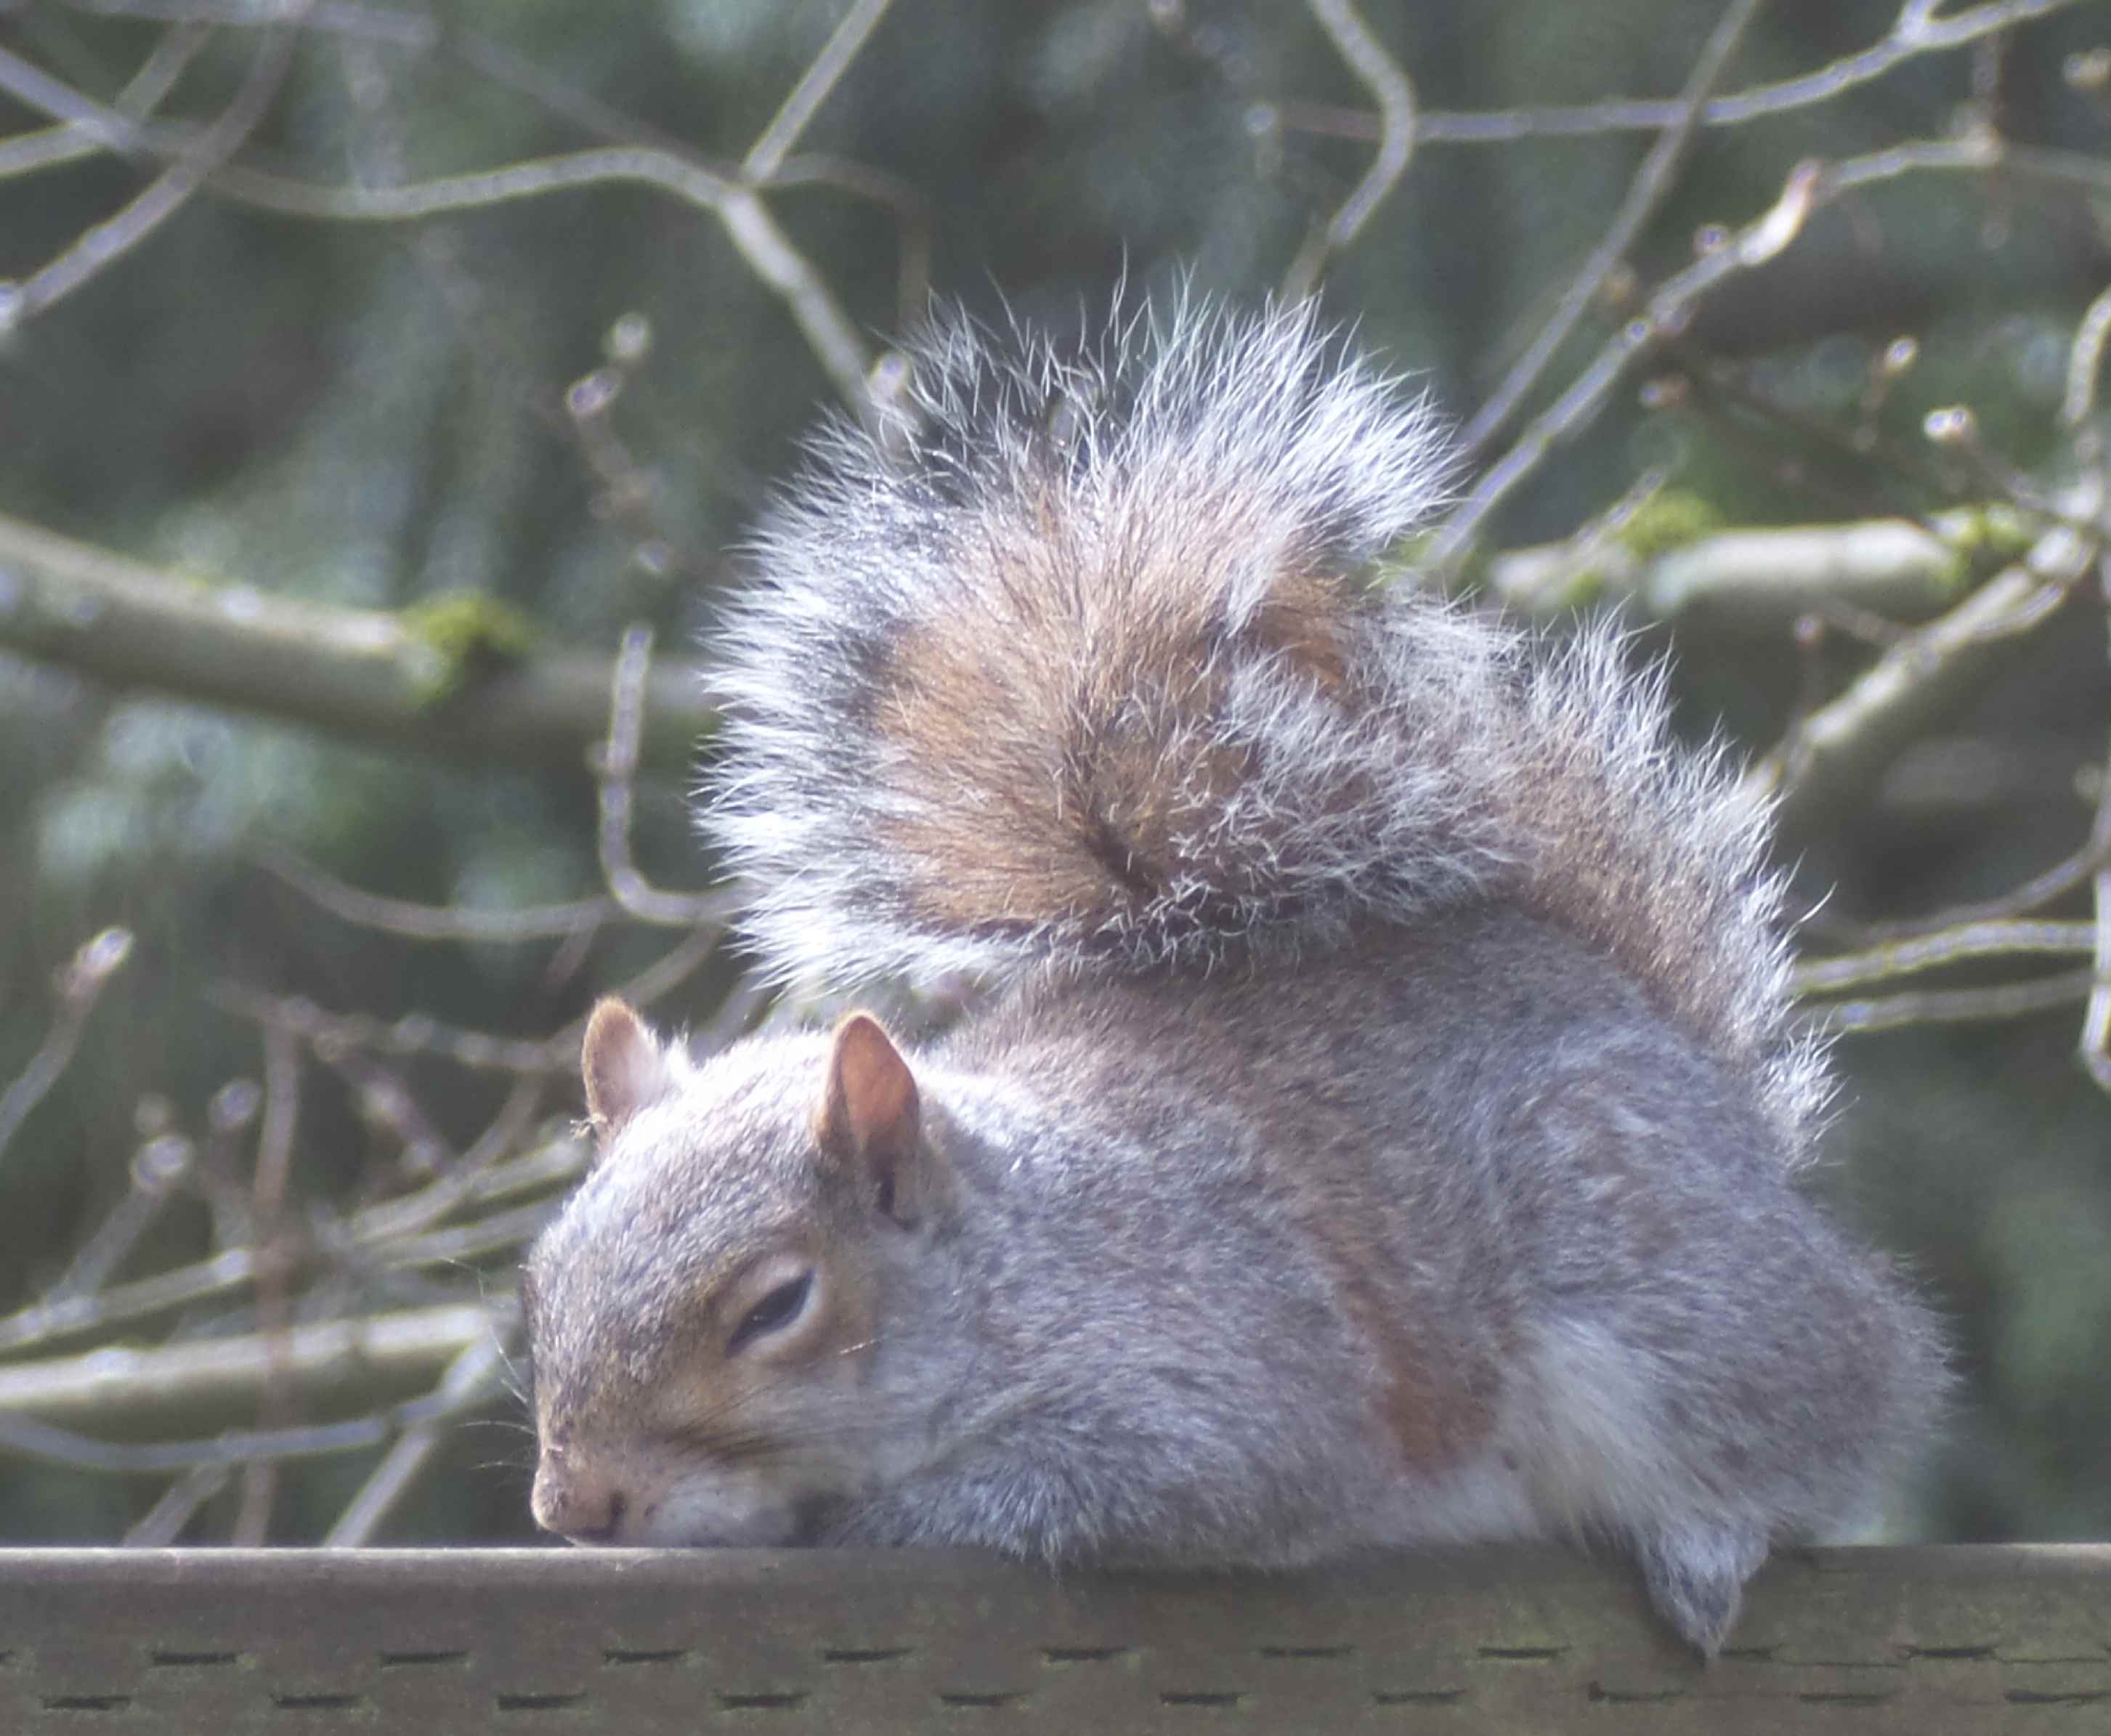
{"type": "Point", "coordinates": [1933, 1642]}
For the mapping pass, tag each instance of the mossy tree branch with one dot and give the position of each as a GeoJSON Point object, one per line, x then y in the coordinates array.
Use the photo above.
{"type": "Point", "coordinates": [460, 677]}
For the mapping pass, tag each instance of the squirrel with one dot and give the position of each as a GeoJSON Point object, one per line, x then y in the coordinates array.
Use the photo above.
{"type": "Point", "coordinates": [1383, 1128]}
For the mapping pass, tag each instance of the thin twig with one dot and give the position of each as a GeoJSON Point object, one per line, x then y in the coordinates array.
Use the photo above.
{"type": "Point", "coordinates": [464, 1244]}
{"type": "Point", "coordinates": [1954, 1006]}
{"type": "Point", "coordinates": [415, 1034]}
{"type": "Point", "coordinates": [2085, 363]}
{"type": "Point", "coordinates": [164, 1521]}
{"type": "Point", "coordinates": [376, 26]}
{"type": "Point", "coordinates": [509, 69]}
{"type": "Point", "coordinates": [2095, 1040]}
{"type": "Point", "coordinates": [659, 979]}
{"type": "Point", "coordinates": [914, 221]}
{"type": "Point", "coordinates": [35, 89]}
{"type": "Point", "coordinates": [230, 1113]}
{"type": "Point", "coordinates": [275, 1160]}
{"type": "Point", "coordinates": [768, 151]}
{"type": "Point", "coordinates": [377, 1224]}
{"type": "Point", "coordinates": [618, 772]}
{"type": "Point", "coordinates": [404, 29]}
{"type": "Point", "coordinates": [1737, 108]}
{"type": "Point", "coordinates": [385, 1099]}
{"type": "Point", "coordinates": [158, 1168]}
{"type": "Point", "coordinates": [1367, 57]}
{"type": "Point", "coordinates": [106, 242]}
{"type": "Point", "coordinates": [80, 985]}
{"type": "Point", "coordinates": [830, 333]}
{"type": "Point", "coordinates": [417, 922]}
{"type": "Point", "coordinates": [1810, 187]}
{"type": "Point", "coordinates": [1908, 466]}
{"type": "Point", "coordinates": [67, 142]}
{"type": "Point", "coordinates": [473, 1377]}
{"type": "Point", "coordinates": [1931, 952]}
{"type": "Point", "coordinates": [379, 1229]}
{"type": "Point", "coordinates": [1652, 183]}
{"type": "Point", "coordinates": [2040, 890]}
{"type": "Point", "coordinates": [1955, 429]}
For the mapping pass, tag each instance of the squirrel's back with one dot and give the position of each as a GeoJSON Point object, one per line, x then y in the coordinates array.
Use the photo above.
{"type": "Point", "coordinates": [1084, 664]}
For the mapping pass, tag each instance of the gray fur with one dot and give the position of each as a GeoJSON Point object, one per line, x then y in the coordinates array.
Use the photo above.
{"type": "Point", "coordinates": [1185, 475]}
{"type": "Point", "coordinates": [1394, 1147]}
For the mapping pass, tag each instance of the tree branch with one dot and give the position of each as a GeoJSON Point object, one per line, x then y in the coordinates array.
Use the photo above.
{"type": "Point", "coordinates": [1652, 183]}
{"type": "Point", "coordinates": [1768, 575]}
{"type": "Point", "coordinates": [1843, 745]}
{"type": "Point", "coordinates": [445, 680]}
{"type": "Point", "coordinates": [352, 1364]}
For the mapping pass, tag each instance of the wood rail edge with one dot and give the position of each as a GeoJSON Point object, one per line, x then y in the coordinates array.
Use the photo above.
{"type": "Point", "coordinates": [1934, 1641]}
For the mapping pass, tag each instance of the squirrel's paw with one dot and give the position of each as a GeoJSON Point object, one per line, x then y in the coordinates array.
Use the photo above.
{"type": "Point", "coordinates": [1696, 1574]}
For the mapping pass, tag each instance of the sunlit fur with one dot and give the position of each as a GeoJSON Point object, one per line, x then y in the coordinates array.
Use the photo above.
{"type": "Point", "coordinates": [1383, 1129]}
{"type": "Point", "coordinates": [1139, 577]}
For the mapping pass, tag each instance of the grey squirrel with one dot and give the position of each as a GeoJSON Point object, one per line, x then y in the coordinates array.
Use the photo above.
{"type": "Point", "coordinates": [1384, 1130]}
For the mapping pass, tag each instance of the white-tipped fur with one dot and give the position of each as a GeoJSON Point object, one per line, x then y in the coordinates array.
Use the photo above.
{"type": "Point", "coordinates": [1287, 754]}
{"type": "Point", "coordinates": [1384, 1136]}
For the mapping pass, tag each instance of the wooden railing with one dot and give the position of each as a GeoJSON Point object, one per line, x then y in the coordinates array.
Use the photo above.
{"type": "Point", "coordinates": [1933, 1642]}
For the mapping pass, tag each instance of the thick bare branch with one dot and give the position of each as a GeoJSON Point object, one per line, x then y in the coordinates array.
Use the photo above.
{"type": "Point", "coordinates": [1765, 576]}
{"type": "Point", "coordinates": [417, 678]}
{"type": "Point", "coordinates": [28, 1437]}
{"type": "Point", "coordinates": [1840, 746]}
{"type": "Point", "coordinates": [356, 1362]}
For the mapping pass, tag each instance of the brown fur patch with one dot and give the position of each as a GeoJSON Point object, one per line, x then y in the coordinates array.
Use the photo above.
{"type": "Point", "coordinates": [1438, 1415]}
{"type": "Point", "coordinates": [1302, 621]}
{"type": "Point", "coordinates": [1097, 687]}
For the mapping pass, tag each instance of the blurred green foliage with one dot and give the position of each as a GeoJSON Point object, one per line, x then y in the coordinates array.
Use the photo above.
{"type": "Point", "coordinates": [376, 414]}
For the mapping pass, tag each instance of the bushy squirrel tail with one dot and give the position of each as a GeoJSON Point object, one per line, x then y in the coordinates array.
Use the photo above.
{"type": "Point", "coordinates": [1083, 664]}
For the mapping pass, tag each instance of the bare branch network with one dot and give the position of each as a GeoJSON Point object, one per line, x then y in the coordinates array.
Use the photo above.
{"type": "Point", "coordinates": [317, 1330]}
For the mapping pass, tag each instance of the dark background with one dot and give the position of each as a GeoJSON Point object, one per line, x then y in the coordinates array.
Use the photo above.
{"type": "Point", "coordinates": [376, 414]}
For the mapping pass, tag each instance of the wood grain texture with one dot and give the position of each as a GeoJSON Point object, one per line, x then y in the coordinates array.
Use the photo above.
{"type": "Point", "coordinates": [1934, 1642]}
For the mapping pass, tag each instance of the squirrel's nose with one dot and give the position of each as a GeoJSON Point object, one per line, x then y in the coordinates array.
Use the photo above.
{"type": "Point", "coordinates": [586, 1508]}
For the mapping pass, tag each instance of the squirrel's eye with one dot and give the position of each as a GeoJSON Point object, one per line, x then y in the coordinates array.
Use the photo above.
{"type": "Point", "coordinates": [779, 1308]}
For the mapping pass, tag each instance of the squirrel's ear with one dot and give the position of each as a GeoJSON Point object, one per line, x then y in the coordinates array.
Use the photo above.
{"type": "Point", "coordinates": [624, 1067]}
{"type": "Point", "coordinates": [869, 1118]}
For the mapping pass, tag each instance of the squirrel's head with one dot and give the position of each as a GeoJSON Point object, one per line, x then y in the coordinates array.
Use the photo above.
{"type": "Point", "coordinates": [704, 1317]}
